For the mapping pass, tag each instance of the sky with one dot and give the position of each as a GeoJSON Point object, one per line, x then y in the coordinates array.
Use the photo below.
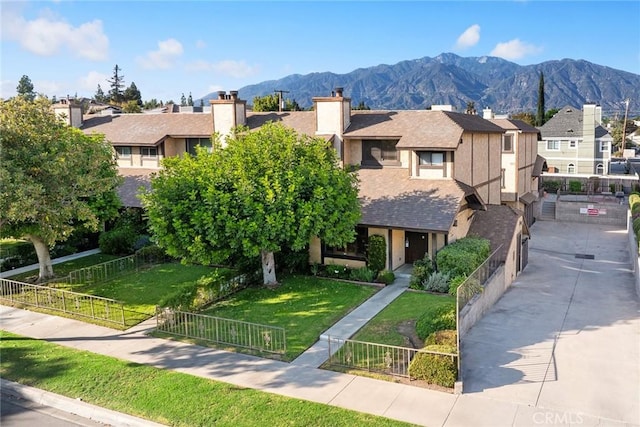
{"type": "Point", "coordinates": [170, 48]}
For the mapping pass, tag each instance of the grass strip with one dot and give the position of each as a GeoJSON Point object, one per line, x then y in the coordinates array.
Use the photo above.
{"type": "Point", "coordinates": [159, 395]}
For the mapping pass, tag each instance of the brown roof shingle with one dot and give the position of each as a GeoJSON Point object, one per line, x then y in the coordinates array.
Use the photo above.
{"type": "Point", "coordinates": [391, 198]}
{"type": "Point", "coordinates": [135, 179]}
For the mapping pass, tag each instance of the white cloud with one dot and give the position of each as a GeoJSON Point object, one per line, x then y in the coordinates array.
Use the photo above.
{"type": "Point", "coordinates": [201, 44]}
{"type": "Point", "coordinates": [214, 88]}
{"type": "Point", "coordinates": [91, 81]}
{"type": "Point", "coordinates": [469, 38]}
{"type": "Point", "coordinates": [48, 35]}
{"type": "Point", "coordinates": [515, 49]}
{"type": "Point", "coordinates": [50, 88]}
{"type": "Point", "coordinates": [165, 57]}
{"type": "Point", "coordinates": [7, 88]}
{"type": "Point", "coordinates": [227, 67]}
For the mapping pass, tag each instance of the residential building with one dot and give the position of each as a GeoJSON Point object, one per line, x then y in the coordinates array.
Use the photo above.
{"type": "Point", "coordinates": [423, 175]}
{"type": "Point", "coordinates": [574, 142]}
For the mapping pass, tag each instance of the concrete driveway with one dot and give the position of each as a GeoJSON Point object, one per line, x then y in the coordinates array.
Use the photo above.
{"type": "Point", "coordinates": [566, 335]}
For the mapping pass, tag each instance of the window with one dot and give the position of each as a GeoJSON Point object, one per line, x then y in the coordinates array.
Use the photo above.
{"type": "Point", "coordinates": [379, 152]}
{"type": "Point", "coordinates": [431, 158]}
{"type": "Point", "coordinates": [573, 144]}
{"type": "Point", "coordinates": [123, 152]}
{"type": "Point", "coordinates": [356, 249]}
{"type": "Point", "coordinates": [553, 145]}
{"type": "Point", "coordinates": [507, 143]}
{"type": "Point", "coordinates": [600, 169]}
{"type": "Point", "coordinates": [192, 143]}
{"type": "Point", "coordinates": [604, 146]}
{"type": "Point", "coordinates": [571, 168]}
{"type": "Point", "coordinates": [149, 152]}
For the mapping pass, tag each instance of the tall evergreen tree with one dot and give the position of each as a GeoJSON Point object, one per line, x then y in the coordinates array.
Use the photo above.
{"type": "Point", "coordinates": [540, 113]}
{"type": "Point", "coordinates": [190, 100]}
{"type": "Point", "coordinates": [25, 88]}
{"type": "Point", "coordinates": [183, 101]}
{"type": "Point", "coordinates": [99, 95]}
{"type": "Point", "coordinates": [133, 94]}
{"type": "Point", "coordinates": [116, 94]}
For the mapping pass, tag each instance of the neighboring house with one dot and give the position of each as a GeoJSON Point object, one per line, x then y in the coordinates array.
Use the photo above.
{"type": "Point", "coordinates": [69, 111]}
{"type": "Point", "coordinates": [574, 142]}
{"type": "Point", "coordinates": [423, 175]}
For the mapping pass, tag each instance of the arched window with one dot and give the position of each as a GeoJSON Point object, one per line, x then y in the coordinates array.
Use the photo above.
{"type": "Point", "coordinates": [600, 169]}
{"type": "Point", "coordinates": [571, 168]}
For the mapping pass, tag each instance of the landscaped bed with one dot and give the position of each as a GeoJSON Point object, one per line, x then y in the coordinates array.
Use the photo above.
{"type": "Point", "coordinates": [167, 397]}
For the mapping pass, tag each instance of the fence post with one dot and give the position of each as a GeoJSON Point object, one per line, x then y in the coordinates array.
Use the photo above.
{"type": "Point", "coordinates": [122, 311]}
{"type": "Point", "coordinates": [64, 304]}
{"type": "Point", "coordinates": [36, 292]}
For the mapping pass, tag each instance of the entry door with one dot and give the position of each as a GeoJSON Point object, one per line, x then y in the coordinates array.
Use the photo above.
{"type": "Point", "coordinates": [415, 246]}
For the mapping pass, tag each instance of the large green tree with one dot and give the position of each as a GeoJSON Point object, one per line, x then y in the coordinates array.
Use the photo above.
{"type": "Point", "coordinates": [132, 94]}
{"type": "Point", "coordinates": [264, 191]}
{"type": "Point", "coordinates": [116, 82]}
{"type": "Point", "coordinates": [25, 88]}
{"type": "Point", "coordinates": [54, 178]}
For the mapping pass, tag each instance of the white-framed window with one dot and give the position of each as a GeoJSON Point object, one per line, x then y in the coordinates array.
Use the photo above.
{"type": "Point", "coordinates": [573, 144]}
{"type": "Point", "coordinates": [571, 168]}
{"type": "Point", "coordinates": [149, 152]}
{"type": "Point", "coordinates": [553, 145]}
{"type": "Point", "coordinates": [431, 158]}
{"type": "Point", "coordinates": [600, 169]}
{"type": "Point", "coordinates": [604, 146]}
{"type": "Point", "coordinates": [507, 143]}
{"type": "Point", "coordinates": [123, 152]}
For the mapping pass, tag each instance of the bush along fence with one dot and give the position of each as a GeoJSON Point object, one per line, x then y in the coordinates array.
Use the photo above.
{"type": "Point", "coordinates": [434, 367]}
{"type": "Point", "coordinates": [73, 303]}
{"type": "Point", "coordinates": [253, 336]}
{"type": "Point", "coordinates": [108, 270]}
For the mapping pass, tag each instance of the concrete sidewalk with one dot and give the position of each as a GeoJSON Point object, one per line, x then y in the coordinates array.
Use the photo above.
{"type": "Point", "coordinates": [32, 267]}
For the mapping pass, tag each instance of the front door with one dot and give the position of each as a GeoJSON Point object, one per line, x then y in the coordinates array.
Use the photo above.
{"type": "Point", "coordinates": [415, 246]}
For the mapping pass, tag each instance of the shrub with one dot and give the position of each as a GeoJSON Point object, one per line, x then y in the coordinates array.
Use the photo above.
{"type": "Point", "coordinates": [436, 318]}
{"type": "Point", "coordinates": [119, 241]}
{"type": "Point", "coordinates": [551, 186]}
{"type": "Point", "coordinates": [463, 256]}
{"type": "Point", "coordinates": [386, 276]}
{"type": "Point", "coordinates": [182, 299]}
{"type": "Point", "coordinates": [437, 282]}
{"type": "Point", "coordinates": [337, 271]}
{"type": "Point", "coordinates": [292, 262]}
{"type": "Point", "coordinates": [435, 368]}
{"type": "Point", "coordinates": [636, 225]}
{"type": "Point", "coordinates": [376, 253]}
{"type": "Point", "coordinates": [575, 186]}
{"type": "Point", "coordinates": [445, 337]}
{"type": "Point", "coordinates": [363, 274]}
{"type": "Point", "coordinates": [455, 283]}
{"type": "Point", "coordinates": [152, 254]}
{"type": "Point", "coordinates": [422, 269]}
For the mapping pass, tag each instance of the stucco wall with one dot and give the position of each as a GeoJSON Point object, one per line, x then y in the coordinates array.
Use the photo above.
{"type": "Point", "coordinates": [633, 254]}
{"type": "Point", "coordinates": [475, 309]}
{"type": "Point", "coordinates": [397, 251]}
{"type": "Point", "coordinates": [578, 211]}
{"type": "Point", "coordinates": [328, 117]}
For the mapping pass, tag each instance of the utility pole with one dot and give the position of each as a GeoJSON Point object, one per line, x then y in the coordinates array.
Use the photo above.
{"type": "Point", "coordinates": [280, 100]}
{"type": "Point", "coordinates": [624, 126]}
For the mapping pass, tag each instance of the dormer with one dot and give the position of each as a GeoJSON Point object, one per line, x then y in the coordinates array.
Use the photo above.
{"type": "Point", "coordinates": [227, 112]}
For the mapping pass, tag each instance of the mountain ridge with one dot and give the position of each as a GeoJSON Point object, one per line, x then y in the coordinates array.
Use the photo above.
{"type": "Point", "coordinates": [488, 81]}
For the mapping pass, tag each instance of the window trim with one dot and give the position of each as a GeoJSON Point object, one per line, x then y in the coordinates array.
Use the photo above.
{"type": "Point", "coordinates": [508, 137]}
{"type": "Point", "coordinates": [573, 144]}
{"type": "Point", "coordinates": [600, 169]}
{"type": "Point", "coordinates": [608, 145]}
{"type": "Point", "coordinates": [360, 244]}
{"type": "Point", "coordinates": [369, 160]}
{"type": "Point", "coordinates": [120, 155]}
{"type": "Point", "coordinates": [194, 142]}
{"type": "Point", "coordinates": [571, 166]}
{"type": "Point", "coordinates": [556, 141]}
{"type": "Point", "coordinates": [430, 164]}
{"type": "Point", "coordinates": [148, 155]}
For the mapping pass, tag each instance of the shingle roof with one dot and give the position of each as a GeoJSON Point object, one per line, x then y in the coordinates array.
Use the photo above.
{"type": "Point", "coordinates": [567, 123]}
{"type": "Point", "coordinates": [513, 124]}
{"type": "Point", "coordinates": [391, 198]}
{"type": "Point", "coordinates": [134, 179]}
{"type": "Point", "coordinates": [304, 122]}
{"type": "Point", "coordinates": [417, 128]}
{"type": "Point", "coordinates": [498, 224]}
{"type": "Point", "coordinates": [149, 129]}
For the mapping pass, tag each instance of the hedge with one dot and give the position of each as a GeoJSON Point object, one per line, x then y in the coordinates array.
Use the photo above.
{"type": "Point", "coordinates": [436, 318]}
{"type": "Point", "coordinates": [435, 368]}
{"type": "Point", "coordinates": [376, 253]}
{"type": "Point", "coordinates": [463, 256]}
{"type": "Point", "coordinates": [444, 337]}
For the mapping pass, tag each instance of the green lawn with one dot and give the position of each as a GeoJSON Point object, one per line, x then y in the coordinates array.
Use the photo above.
{"type": "Point", "coordinates": [304, 306]}
{"type": "Point", "coordinates": [408, 307]}
{"type": "Point", "coordinates": [163, 396]}
{"type": "Point", "coordinates": [8, 247]}
{"type": "Point", "coordinates": [63, 269]}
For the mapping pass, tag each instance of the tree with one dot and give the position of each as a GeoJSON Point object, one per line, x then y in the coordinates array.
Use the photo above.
{"type": "Point", "coordinates": [54, 177]}
{"type": "Point", "coordinates": [131, 107]}
{"type": "Point", "coordinates": [526, 117]}
{"type": "Point", "coordinates": [362, 106]}
{"type": "Point", "coordinates": [471, 107]}
{"type": "Point", "coordinates": [183, 101]}
{"type": "Point", "coordinates": [266, 190]}
{"type": "Point", "coordinates": [549, 114]}
{"type": "Point", "coordinates": [151, 104]}
{"type": "Point", "coordinates": [100, 96]}
{"type": "Point", "coordinates": [116, 93]}
{"type": "Point", "coordinates": [266, 103]}
{"type": "Point", "coordinates": [132, 94]}
{"type": "Point", "coordinates": [190, 100]}
{"type": "Point", "coordinates": [540, 113]}
{"type": "Point", "coordinates": [25, 88]}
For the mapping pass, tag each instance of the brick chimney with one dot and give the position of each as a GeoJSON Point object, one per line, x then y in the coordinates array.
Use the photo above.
{"type": "Point", "coordinates": [227, 112]}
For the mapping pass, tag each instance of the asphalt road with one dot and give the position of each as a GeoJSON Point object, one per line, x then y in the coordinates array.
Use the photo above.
{"type": "Point", "coordinates": [21, 413]}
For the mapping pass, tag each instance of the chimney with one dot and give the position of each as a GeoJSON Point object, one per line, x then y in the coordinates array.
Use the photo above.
{"type": "Point", "coordinates": [487, 114]}
{"type": "Point", "coordinates": [228, 112]}
{"type": "Point", "coordinates": [339, 91]}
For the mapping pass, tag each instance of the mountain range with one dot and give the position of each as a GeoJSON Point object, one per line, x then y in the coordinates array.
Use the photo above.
{"type": "Point", "coordinates": [488, 81]}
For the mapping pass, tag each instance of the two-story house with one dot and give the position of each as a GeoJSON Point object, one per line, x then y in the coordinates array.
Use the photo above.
{"type": "Point", "coordinates": [423, 175]}
{"type": "Point", "coordinates": [574, 142]}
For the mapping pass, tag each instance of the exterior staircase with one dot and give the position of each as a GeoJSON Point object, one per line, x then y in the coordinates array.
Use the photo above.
{"type": "Point", "coordinates": [548, 211]}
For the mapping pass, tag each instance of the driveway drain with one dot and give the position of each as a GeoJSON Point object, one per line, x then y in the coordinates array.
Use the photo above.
{"type": "Point", "coordinates": [585, 256]}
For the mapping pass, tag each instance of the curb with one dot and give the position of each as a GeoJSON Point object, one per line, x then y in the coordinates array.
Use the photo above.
{"type": "Point", "coordinates": [73, 406]}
